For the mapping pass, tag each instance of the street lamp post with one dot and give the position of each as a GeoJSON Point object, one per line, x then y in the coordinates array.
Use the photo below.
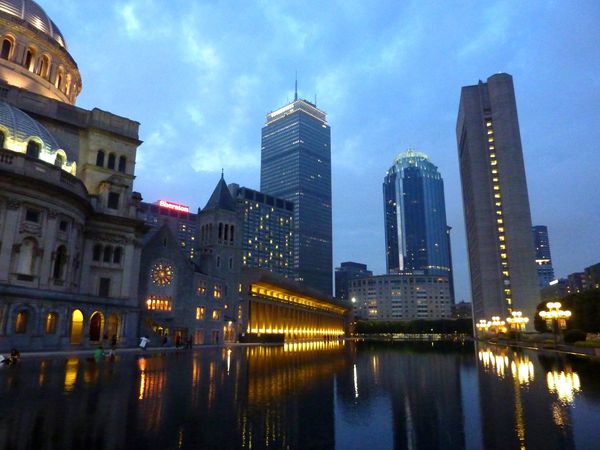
{"type": "Point", "coordinates": [482, 326]}
{"type": "Point", "coordinates": [517, 322]}
{"type": "Point", "coordinates": [558, 317]}
{"type": "Point", "coordinates": [497, 324]}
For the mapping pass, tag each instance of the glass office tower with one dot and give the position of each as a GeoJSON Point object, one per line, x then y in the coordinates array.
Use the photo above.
{"type": "Point", "coordinates": [543, 259]}
{"type": "Point", "coordinates": [416, 233]}
{"type": "Point", "coordinates": [296, 166]}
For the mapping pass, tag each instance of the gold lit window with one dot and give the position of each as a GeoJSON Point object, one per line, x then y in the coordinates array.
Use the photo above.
{"type": "Point", "coordinates": [501, 238]}
{"type": "Point", "coordinates": [217, 291]}
{"type": "Point", "coordinates": [201, 289]}
{"type": "Point", "coordinates": [503, 255]}
{"type": "Point", "coordinates": [216, 314]}
{"type": "Point", "coordinates": [200, 313]}
{"type": "Point", "coordinates": [157, 303]}
{"type": "Point", "coordinates": [500, 229]}
{"type": "Point", "coordinates": [493, 162]}
{"type": "Point", "coordinates": [499, 220]}
{"type": "Point", "coordinates": [51, 323]}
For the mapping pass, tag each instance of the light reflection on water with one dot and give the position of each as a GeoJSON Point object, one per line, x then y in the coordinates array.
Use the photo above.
{"type": "Point", "coordinates": [305, 395]}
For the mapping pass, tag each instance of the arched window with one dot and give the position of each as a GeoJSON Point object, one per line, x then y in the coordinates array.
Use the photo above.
{"type": "Point", "coordinates": [118, 255]}
{"type": "Point", "coordinates": [60, 260]}
{"type": "Point", "coordinates": [59, 161]}
{"type": "Point", "coordinates": [6, 48]}
{"type": "Point", "coordinates": [97, 254]}
{"type": "Point", "coordinates": [29, 60]}
{"type": "Point", "coordinates": [220, 231]}
{"type": "Point", "coordinates": [76, 327]}
{"type": "Point", "coordinates": [108, 253]}
{"type": "Point", "coordinates": [111, 161]}
{"type": "Point", "coordinates": [27, 257]}
{"type": "Point", "coordinates": [43, 66]}
{"type": "Point", "coordinates": [51, 320]}
{"type": "Point", "coordinates": [59, 79]}
{"type": "Point", "coordinates": [33, 149]}
{"type": "Point", "coordinates": [96, 326]}
{"type": "Point", "coordinates": [21, 322]}
{"type": "Point", "coordinates": [231, 228]}
{"type": "Point", "coordinates": [122, 163]}
{"type": "Point", "coordinates": [2, 137]}
{"type": "Point", "coordinates": [68, 84]}
{"type": "Point", "coordinates": [100, 158]}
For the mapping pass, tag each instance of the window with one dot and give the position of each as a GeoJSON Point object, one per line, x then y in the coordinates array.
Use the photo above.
{"type": "Point", "coordinates": [100, 158]}
{"type": "Point", "coordinates": [201, 289]}
{"type": "Point", "coordinates": [230, 263]}
{"type": "Point", "coordinates": [6, 48]}
{"type": "Point", "coordinates": [63, 225]}
{"type": "Point", "coordinates": [200, 313]}
{"type": "Point", "coordinates": [59, 161]}
{"type": "Point", "coordinates": [51, 319]}
{"type": "Point", "coordinates": [216, 314]}
{"type": "Point", "coordinates": [104, 287]}
{"type": "Point", "coordinates": [60, 260]}
{"type": "Point", "coordinates": [111, 161]}
{"type": "Point", "coordinates": [217, 291]}
{"type": "Point", "coordinates": [118, 255]}
{"type": "Point", "coordinates": [156, 303]}
{"type": "Point", "coordinates": [113, 200]}
{"type": "Point", "coordinates": [97, 252]}
{"type": "Point", "coordinates": [31, 215]}
{"type": "Point", "coordinates": [33, 149]}
{"type": "Point", "coordinates": [218, 261]}
{"type": "Point", "coordinates": [108, 254]}
{"type": "Point", "coordinates": [29, 60]}
{"type": "Point", "coordinates": [231, 228]}
{"type": "Point", "coordinates": [122, 163]}
{"type": "Point", "coordinates": [43, 68]}
{"type": "Point", "coordinates": [21, 322]}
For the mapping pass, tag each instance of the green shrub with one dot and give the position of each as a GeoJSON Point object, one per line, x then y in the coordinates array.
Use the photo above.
{"type": "Point", "coordinates": [572, 336]}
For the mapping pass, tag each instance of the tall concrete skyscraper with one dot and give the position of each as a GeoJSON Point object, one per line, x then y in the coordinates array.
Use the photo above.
{"type": "Point", "coordinates": [543, 259]}
{"type": "Point", "coordinates": [496, 204]}
{"type": "Point", "coordinates": [296, 166]}
{"type": "Point", "coordinates": [416, 233]}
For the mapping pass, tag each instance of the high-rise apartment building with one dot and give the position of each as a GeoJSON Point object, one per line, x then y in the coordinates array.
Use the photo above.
{"type": "Point", "coordinates": [179, 219]}
{"type": "Point", "coordinates": [267, 230]}
{"type": "Point", "coordinates": [417, 236]}
{"type": "Point", "coordinates": [348, 271]}
{"type": "Point", "coordinates": [296, 166]}
{"type": "Point", "coordinates": [543, 259]}
{"type": "Point", "coordinates": [495, 199]}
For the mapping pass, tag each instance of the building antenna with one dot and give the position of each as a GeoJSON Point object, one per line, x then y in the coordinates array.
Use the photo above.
{"type": "Point", "coordinates": [296, 88]}
{"type": "Point", "coordinates": [222, 173]}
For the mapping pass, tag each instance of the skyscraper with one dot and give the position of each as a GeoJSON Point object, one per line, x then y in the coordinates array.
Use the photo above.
{"type": "Point", "coordinates": [416, 233]}
{"type": "Point", "coordinates": [543, 260]}
{"type": "Point", "coordinates": [496, 204]}
{"type": "Point", "coordinates": [296, 166]}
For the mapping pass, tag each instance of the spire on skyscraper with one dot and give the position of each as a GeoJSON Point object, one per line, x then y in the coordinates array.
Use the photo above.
{"type": "Point", "coordinates": [296, 88]}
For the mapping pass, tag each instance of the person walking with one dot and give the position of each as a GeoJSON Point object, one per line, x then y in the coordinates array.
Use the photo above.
{"type": "Point", "coordinates": [144, 342]}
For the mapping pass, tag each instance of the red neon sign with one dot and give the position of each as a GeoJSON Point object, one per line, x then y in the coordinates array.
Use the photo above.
{"type": "Point", "coordinates": [173, 206]}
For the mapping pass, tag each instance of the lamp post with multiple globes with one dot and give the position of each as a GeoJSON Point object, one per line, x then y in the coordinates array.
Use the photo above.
{"type": "Point", "coordinates": [517, 322]}
{"type": "Point", "coordinates": [558, 317]}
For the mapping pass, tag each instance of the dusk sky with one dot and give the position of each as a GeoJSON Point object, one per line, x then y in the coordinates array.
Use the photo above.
{"type": "Point", "coordinates": [201, 76]}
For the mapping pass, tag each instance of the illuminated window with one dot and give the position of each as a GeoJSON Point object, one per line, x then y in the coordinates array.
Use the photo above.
{"type": "Point", "coordinates": [495, 180]}
{"type": "Point", "coordinates": [493, 162]}
{"type": "Point", "coordinates": [216, 314]}
{"type": "Point", "coordinates": [490, 132]}
{"type": "Point", "coordinates": [217, 291]}
{"type": "Point", "coordinates": [500, 221]}
{"type": "Point", "coordinates": [500, 229]}
{"type": "Point", "coordinates": [200, 313]}
{"type": "Point", "coordinates": [51, 319]}
{"type": "Point", "coordinates": [497, 195]}
{"type": "Point", "coordinates": [503, 255]}
{"type": "Point", "coordinates": [488, 123]}
{"type": "Point", "coordinates": [505, 273]}
{"type": "Point", "coordinates": [498, 204]}
{"type": "Point", "coordinates": [156, 303]}
{"type": "Point", "coordinates": [21, 322]}
{"type": "Point", "coordinates": [492, 155]}
{"type": "Point", "coordinates": [491, 139]}
{"type": "Point", "coordinates": [502, 247]}
{"type": "Point", "coordinates": [494, 171]}
{"type": "Point", "coordinates": [496, 187]}
{"type": "Point", "coordinates": [201, 289]}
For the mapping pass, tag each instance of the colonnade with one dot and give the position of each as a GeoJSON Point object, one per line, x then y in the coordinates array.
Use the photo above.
{"type": "Point", "coordinates": [293, 322]}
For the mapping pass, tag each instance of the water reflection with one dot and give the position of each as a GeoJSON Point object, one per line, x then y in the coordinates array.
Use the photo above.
{"type": "Point", "coordinates": [309, 395]}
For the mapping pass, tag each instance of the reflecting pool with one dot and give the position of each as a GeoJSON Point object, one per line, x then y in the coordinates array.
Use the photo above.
{"type": "Point", "coordinates": [332, 395]}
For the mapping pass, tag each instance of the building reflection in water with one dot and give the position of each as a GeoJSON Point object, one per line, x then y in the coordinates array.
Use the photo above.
{"type": "Point", "coordinates": [304, 395]}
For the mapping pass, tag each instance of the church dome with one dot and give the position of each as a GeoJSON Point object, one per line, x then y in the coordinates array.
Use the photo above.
{"type": "Point", "coordinates": [32, 13]}
{"type": "Point", "coordinates": [18, 130]}
{"type": "Point", "coordinates": [33, 53]}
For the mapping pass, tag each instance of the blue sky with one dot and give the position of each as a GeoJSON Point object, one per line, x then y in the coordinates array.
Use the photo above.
{"type": "Point", "coordinates": [200, 77]}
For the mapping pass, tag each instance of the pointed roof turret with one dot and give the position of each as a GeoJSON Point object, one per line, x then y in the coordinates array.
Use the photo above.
{"type": "Point", "coordinates": [221, 197]}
